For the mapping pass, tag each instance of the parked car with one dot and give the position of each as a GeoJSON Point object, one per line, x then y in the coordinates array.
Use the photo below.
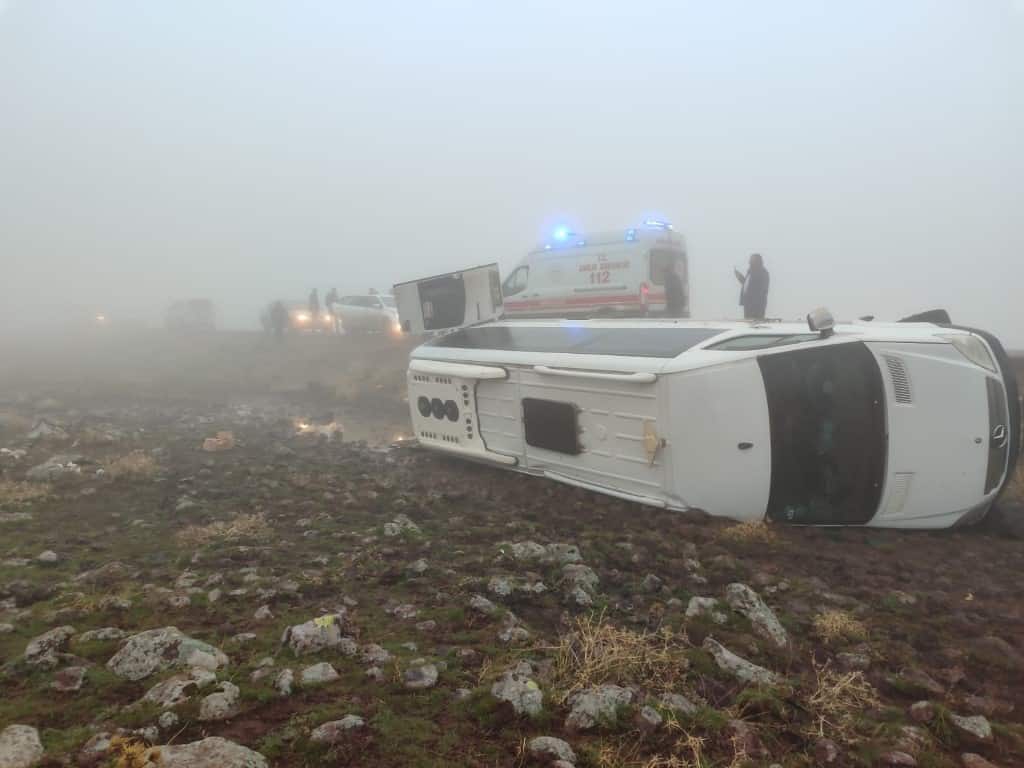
{"type": "Point", "coordinates": [370, 312]}
{"type": "Point", "coordinates": [902, 424]}
{"type": "Point", "coordinates": [300, 319]}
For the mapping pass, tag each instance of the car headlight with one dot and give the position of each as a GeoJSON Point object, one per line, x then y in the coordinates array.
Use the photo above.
{"type": "Point", "coordinates": [302, 317]}
{"type": "Point", "coordinates": [973, 348]}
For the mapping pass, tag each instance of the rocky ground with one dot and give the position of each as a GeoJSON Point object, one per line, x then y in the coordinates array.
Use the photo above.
{"type": "Point", "coordinates": [293, 597]}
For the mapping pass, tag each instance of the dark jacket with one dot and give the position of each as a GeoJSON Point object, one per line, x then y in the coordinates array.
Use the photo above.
{"type": "Point", "coordinates": [754, 293]}
{"type": "Point", "coordinates": [675, 296]}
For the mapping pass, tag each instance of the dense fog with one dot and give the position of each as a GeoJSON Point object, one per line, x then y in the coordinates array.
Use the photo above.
{"type": "Point", "coordinates": [247, 151]}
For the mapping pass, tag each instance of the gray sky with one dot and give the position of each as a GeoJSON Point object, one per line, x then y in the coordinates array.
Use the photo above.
{"type": "Point", "coordinates": [872, 151]}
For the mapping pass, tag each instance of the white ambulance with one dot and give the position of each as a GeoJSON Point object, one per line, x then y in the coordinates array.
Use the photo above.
{"type": "Point", "coordinates": [612, 273]}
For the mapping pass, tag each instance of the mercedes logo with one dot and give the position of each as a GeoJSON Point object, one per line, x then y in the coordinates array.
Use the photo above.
{"type": "Point", "coordinates": [999, 436]}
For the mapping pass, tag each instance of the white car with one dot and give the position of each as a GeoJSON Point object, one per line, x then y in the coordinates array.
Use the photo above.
{"type": "Point", "coordinates": [609, 273]}
{"type": "Point", "coordinates": [903, 424]}
{"type": "Point", "coordinates": [371, 312]}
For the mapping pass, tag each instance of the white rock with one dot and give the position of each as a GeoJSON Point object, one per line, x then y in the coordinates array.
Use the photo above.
{"type": "Point", "coordinates": [263, 613]}
{"type": "Point", "coordinates": [401, 524]}
{"type": "Point", "coordinates": [597, 706]}
{"type": "Point", "coordinates": [336, 730]}
{"type": "Point", "coordinates": [737, 665]}
{"type": "Point", "coordinates": [220, 705]}
{"type": "Point", "coordinates": [705, 606]}
{"type": "Point", "coordinates": [167, 720]}
{"type": "Point", "coordinates": [42, 651]}
{"type": "Point", "coordinates": [213, 752]}
{"type": "Point", "coordinates": [47, 557]}
{"type": "Point", "coordinates": [420, 677]}
{"type": "Point", "coordinates": [531, 551]}
{"type": "Point", "coordinates": [746, 601]}
{"type": "Point", "coordinates": [579, 575]}
{"type": "Point", "coordinates": [315, 635]}
{"type": "Point", "coordinates": [20, 747]}
{"type": "Point", "coordinates": [481, 604]}
{"type": "Point", "coordinates": [514, 635]}
{"type": "Point", "coordinates": [157, 649]}
{"type": "Point", "coordinates": [976, 727]}
{"type": "Point", "coordinates": [178, 688]}
{"type": "Point", "coordinates": [375, 654]}
{"type": "Point", "coordinates": [500, 586]}
{"type": "Point", "coordinates": [104, 633]}
{"type": "Point", "coordinates": [649, 718]}
{"type": "Point", "coordinates": [95, 751]}
{"type": "Point", "coordinates": [676, 702]}
{"type": "Point", "coordinates": [548, 748]}
{"type": "Point", "coordinates": [405, 612]}
{"type": "Point", "coordinates": [319, 673]}
{"type": "Point", "coordinates": [284, 681]}
{"type": "Point", "coordinates": [517, 687]}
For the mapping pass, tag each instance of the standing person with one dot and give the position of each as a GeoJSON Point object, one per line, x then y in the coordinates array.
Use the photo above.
{"type": "Point", "coordinates": [278, 319]}
{"type": "Point", "coordinates": [675, 291]}
{"type": "Point", "coordinates": [314, 308]}
{"type": "Point", "coordinates": [329, 301]}
{"type": "Point", "coordinates": [754, 288]}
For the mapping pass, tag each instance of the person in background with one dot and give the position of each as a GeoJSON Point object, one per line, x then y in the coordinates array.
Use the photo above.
{"type": "Point", "coordinates": [314, 308]}
{"type": "Point", "coordinates": [278, 319]}
{"type": "Point", "coordinates": [754, 288]}
{"type": "Point", "coordinates": [329, 301]}
{"type": "Point", "coordinates": [675, 291]}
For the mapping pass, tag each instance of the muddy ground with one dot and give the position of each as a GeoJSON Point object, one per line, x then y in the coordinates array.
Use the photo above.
{"type": "Point", "coordinates": [411, 566]}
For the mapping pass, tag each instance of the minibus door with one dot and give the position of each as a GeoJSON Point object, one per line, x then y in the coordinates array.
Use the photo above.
{"type": "Point", "coordinates": [449, 301]}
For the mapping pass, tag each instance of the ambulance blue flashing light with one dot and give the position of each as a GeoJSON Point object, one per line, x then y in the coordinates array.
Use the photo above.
{"type": "Point", "coordinates": [561, 234]}
{"type": "Point", "coordinates": [630, 235]}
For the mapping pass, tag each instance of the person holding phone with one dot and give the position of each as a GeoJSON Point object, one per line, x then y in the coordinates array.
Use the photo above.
{"type": "Point", "coordinates": [754, 288]}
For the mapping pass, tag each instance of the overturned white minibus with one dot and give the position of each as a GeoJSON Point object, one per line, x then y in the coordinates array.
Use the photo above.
{"type": "Point", "coordinates": [906, 424]}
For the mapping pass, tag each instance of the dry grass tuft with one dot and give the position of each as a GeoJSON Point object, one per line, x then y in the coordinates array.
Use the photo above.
{"type": "Point", "coordinates": [241, 527]}
{"type": "Point", "coordinates": [134, 464]}
{"type": "Point", "coordinates": [836, 701]}
{"type": "Point", "coordinates": [130, 753]}
{"type": "Point", "coordinates": [839, 626]}
{"type": "Point", "coordinates": [14, 492]}
{"type": "Point", "coordinates": [686, 752]}
{"type": "Point", "coordinates": [597, 652]}
{"type": "Point", "coordinates": [750, 532]}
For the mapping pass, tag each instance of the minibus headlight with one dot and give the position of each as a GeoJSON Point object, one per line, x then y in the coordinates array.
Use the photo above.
{"type": "Point", "coordinates": [973, 348]}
